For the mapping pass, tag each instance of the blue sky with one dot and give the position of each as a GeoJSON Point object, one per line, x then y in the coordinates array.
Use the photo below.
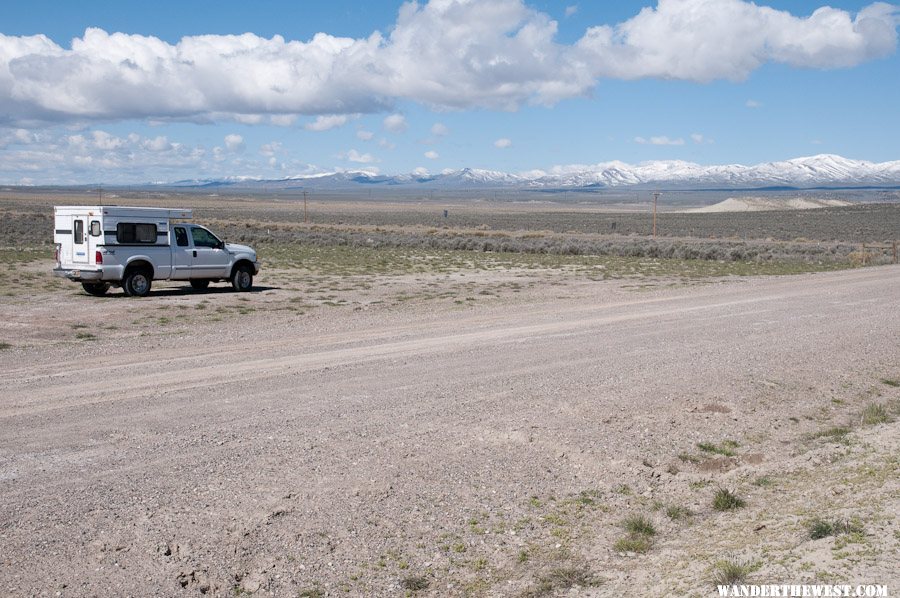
{"type": "Point", "coordinates": [502, 85]}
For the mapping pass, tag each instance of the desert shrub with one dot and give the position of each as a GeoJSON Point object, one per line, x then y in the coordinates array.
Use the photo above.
{"type": "Point", "coordinates": [822, 528]}
{"type": "Point", "coordinates": [726, 500]}
{"type": "Point", "coordinates": [731, 571]}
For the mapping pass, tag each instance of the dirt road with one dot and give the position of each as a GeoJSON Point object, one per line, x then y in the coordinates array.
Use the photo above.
{"type": "Point", "coordinates": [369, 451]}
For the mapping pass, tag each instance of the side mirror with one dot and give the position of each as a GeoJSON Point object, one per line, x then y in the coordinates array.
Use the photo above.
{"type": "Point", "coordinates": [220, 245]}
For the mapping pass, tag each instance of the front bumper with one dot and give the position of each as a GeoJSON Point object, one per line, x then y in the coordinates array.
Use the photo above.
{"type": "Point", "coordinates": [79, 274]}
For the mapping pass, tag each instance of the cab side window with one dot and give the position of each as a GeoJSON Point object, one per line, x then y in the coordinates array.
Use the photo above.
{"type": "Point", "coordinates": [181, 238]}
{"type": "Point", "coordinates": [204, 238]}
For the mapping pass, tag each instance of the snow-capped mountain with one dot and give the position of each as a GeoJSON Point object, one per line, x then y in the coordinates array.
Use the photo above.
{"type": "Point", "coordinates": [826, 170]}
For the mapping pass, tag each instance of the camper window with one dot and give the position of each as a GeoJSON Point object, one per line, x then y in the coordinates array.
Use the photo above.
{"type": "Point", "coordinates": [79, 232]}
{"type": "Point", "coordinates": [95, 228]}
{"type": "Point", "coordinates": [129, 232]}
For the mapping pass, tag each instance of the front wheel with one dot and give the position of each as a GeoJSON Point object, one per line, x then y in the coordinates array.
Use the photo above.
{"type": "Point", "coordinates": [242, 279]}
{"type": "Point", "coordinates": [137, 283]}
{"type": "Point", "coordinates": [97, 289]}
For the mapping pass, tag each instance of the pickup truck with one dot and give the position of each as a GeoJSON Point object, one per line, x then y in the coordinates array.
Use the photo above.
{"type": "Point", "coordinates": [130, 247]}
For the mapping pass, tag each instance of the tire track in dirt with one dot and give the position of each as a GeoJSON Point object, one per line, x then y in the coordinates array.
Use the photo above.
{"type": "Point", "coordinates": [162, 371]}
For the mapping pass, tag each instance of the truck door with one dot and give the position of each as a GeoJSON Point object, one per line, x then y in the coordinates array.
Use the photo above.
{"type": "Point", "coordinates": [79, 240]}
{"type": "Point", "coordinates": [182, 254]}
{"type": "Point", "coordinates": [209, 258]}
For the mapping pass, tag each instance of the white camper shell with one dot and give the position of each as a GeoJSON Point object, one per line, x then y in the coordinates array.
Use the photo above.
{"type": "Point", "coordinates": [105, 246]}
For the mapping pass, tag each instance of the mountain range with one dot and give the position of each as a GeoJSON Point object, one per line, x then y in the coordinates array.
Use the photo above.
{"type": "Point", "coordinates": [825, 170]}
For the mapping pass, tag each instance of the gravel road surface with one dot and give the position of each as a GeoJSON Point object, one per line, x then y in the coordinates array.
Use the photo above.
{"type": "Point", "coordinates": [386, 451]}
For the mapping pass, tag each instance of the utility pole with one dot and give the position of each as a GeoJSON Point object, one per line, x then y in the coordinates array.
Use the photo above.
{"type": "Point", "coordinates": [100, 194]}
{"type": "Point", "coordinates": [305, 212]}
{"type": "Point", "coordinates": [655, 198]}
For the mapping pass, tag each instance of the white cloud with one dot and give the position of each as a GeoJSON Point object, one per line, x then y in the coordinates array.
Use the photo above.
{"type": "Point", "coordinates": [55, 157]}
{"type": "Point", "coordinates": [482, 53]}
{"type": "Point", "coordinates": [698, 138]}
{"type": "Point", "coordinates": [157, 144]}
{"type": "Point", "coordinates": [753, 104]}
{"type": "Point", "coordinates": [234, 142]}
{"type": "Point", "coordinates": [247, 119]}
{"type": "Point", "coordinates": [326, 122]}
{"type": "Point", "coordinates": [283, 120]}
{"type": "Point", "coordinates": [395, 123]}
{"type": "Point", "coordinates": [439, 130]}
{"type": "Point", "coordinates": [355, 156]}
{"type": "Point", "coordinates": [270, 149]}
{"type": "Point", "coordinates": [432, 155]}
{"type": "Point", "coordinates": [105, 141]}
{"type": "Point", "coordinates": [503, 142]}
{"type": "Point", "coordinates": [364, 135]}
{"type": "Point", "coordinates": [571, 10]}
{"type": "Point", "coordinates": [24, 137]}
{"type": "Point", "coordinates": [698, 40]}
{"type": "Point", "coordinates": [659, 140]}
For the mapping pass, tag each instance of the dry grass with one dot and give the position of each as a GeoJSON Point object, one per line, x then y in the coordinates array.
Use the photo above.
{"type": "Point", "coordinates": [726, 500]}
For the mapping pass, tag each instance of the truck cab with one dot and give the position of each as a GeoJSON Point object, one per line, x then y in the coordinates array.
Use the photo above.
{"type": "Point", "coordinates": [200, 256]}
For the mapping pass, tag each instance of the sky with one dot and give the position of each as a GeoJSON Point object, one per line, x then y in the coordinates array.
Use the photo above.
{"type": "Point", "coordinates": [104, 91]}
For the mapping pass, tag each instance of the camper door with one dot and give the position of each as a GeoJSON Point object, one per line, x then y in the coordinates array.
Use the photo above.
{"type": "Point", "coordinates": [80, 239]}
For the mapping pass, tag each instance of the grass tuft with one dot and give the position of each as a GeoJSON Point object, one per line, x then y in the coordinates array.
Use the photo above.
{"type": "Point", "coordinates": [891, 382]}
{"type": "Point", "coordinates": [638, 544]}
{"type": "Point", "coordinates": [823, 528]}
{"type": "Point", "coordinates": [731, 571]}
{"type": "Point", "coordinates": [639, 525]}
{"type": "Point", "coordinates": [640, 535]}
{"type": "Point", "coordinates": [726, 448]}
{"type": "Point", "coordinates": [726, 500]}
{"type": "Point", "coordinates": [561, 579]}
{"type": "Point", "coordinates": [838, 433]}
{"type": "Point", "coordinates": [414, 583]}
{"type": "Point", "coordinates": [875, 414]}
{"type": "Point", "coordinates": [677, 512]}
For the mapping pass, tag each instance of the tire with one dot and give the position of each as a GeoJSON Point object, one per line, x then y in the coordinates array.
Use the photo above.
{"type": "Point", "coordinates": [199, 285]}
{"type": "Point", "coordinates": [242, 279]}
{"type": "Point", "coordinates": [137, 283]}
{"type": "Point", "coordinates": [97, 289]}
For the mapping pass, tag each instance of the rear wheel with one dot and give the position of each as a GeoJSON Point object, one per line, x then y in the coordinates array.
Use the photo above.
{"type": "Point", "coordinates": [97, 289]}
{"type": "Point", "coordinates": [137, 283]}
{"type": "Point", "coordinates": [242, 279]}
{"type": "Point", "coordinates": [199, 284]}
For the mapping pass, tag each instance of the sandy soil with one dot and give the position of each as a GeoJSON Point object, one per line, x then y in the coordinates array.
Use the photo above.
{"type": "Point", "coordinates": [439, 447]}
{"type": "Point", "coordinates": [762, 204]}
